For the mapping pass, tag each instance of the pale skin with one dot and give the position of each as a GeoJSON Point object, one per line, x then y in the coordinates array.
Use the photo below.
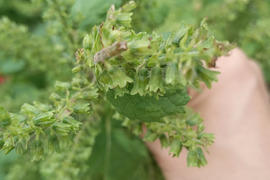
{"type": "Point", "coordinates": [237, 111]}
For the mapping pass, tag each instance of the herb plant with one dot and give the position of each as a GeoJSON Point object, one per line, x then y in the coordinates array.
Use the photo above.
{"type": "Point", "coordinates": [122, 78]}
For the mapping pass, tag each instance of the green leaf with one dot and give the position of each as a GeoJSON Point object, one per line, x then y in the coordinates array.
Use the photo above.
{"type": "Point", "coordinates": [149, 108]}
{"type": "Point", "coordinates": [11, 66]}
{"type": "Point", "coordinates": [118, 156]}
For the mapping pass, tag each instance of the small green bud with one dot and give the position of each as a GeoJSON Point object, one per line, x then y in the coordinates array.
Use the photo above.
{"type": "Point", "coordinates": [196, 158]}
{"type": "Point", "coordinates": [18, 117]}
{"type": "Point", "coordinates": [29, 109]}
{"type": "Point", "coordinates": [75, 125]}
{"type": "Point", "coordinates": [61, 128]}
{"type": "Point", "coordinates": [19, 147]}
{"type": "Point", "coordinates": [5, 119]}
{"type": "Point", "coordinates": [86, 42]}
{"type": "Point", "coordinates": [206, 138]}
{"type": "Point", "coordinates": [150, 136]}
{"type": "Point", "coordinates": [192, 159]}
{"type": "Point", "coordinates": [81, 108]}
{"type": "Point", "coordinates": [44, 119]}
{"type": "Point", "coordinates": [105, 79]}
{"type": "Point", "coordinates": [200, 128]}
{"type": "Point", "coordinates": [42, 107]}
{"type": "Point", "coordinates": [140, 83]}
{"type": "Point", "coordinates": [180, 33]}
{"type": "Point", "coordinates": [80, 55]}
{"type": "Point", "coordinates": [53, 144]}
{"type": "Point", "coordinates": [37, 150]}
{"type": "Point", "coordinates": [123, 19]}
{"type": "Point", "coordinates": [61, 86]}
{"type": "Point", "coordinates": [115, 36]}
{"type": "Point", "coordinates": [77, 68]}
{"type": "Point", "coordinates": [8, 145]}
{"type": "Point", "coordinates": [128, 7]}
{"type": "Point", "coordinates": [156, 81]}
{"type": "Point", "coordinates": [90, 94]}
{"type": "Point", "coordinates": [55, 97]}
{"type": "Point", "coordinates": [76, 82]}
{"type": "Point", "coordinates": [140, 47]}
{"type": "Point", "coordinates": [172, 73]}
{"type": "Point", "coordinates": [119, 78]}
{"type": "Point", "coordinates": [201, 157]}
{"type": "Point", "coordinates": [176, 148]}
{"type": "Point", "coordinates": [207, 76]}
{"type": "Point", "coordinates": [194, 120]}
{"type": "Point", "coordinates": [164, 141]}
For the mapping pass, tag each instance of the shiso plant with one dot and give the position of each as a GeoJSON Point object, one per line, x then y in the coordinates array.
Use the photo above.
{"type": "Point", "coordinates": [120, 77]}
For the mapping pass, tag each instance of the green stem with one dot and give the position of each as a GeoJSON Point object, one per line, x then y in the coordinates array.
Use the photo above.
{"type": "Point", "coordinates": [108, 146]}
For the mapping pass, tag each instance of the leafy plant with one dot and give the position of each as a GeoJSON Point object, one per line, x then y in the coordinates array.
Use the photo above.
{"type": "Point", "coordinates": [120, 74]}
{"type": "Point", "coordinates": [123, 78]}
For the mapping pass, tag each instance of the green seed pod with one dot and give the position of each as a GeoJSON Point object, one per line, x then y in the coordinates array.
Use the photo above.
{"type": "Point", "coordinates": [176, 148]}
{"type": "Point", "coordinates": [53, 144]}
{"type": "Point", "coordinates": [90, 94]}
{"type": "Point", "coordinates": [19, 147]}
{"type": "Point", "coordinates": [29, 109]}
{"type": "Point", "coordinates": [172, 73]}
{"type": "Point", "coordinates": [206, 75]}
{"type": "Point", "coordinates": [196, 158]}
{"type": "Point", "coordinates": [81, 108]}
{"type": "Point", "coordinates": [123, 19]}
{"type": "Point", "coordinates": [201, 157]}
{"type": "Point", "coordinates": [37, 150]}
{"type": "Point", "coordinates": [61, 86]}
{"type": "Point", "coordinates": [44, 119]}
{"type": "Point", "coordinates": [129, 6]}
{"type": "Point", "coordinates": [75, 125]}
{"type": "Point", "coordinates": [86, 42]}
{"type": "Point", "coordinates": [55, 97]}
{"type": "Point", "coordinates": [5, 119]}
{"type": "Point", "coordinates": [180, 33]}
{"type": "Point", "coordinates": [77, 68]}
{"type": "Point", "coordinates": [105, 79]}
{"type": "Point", "coordinates": [140, 47]}
{"type": "Point", "coordinates": [192, 159]}
{"type": "Point", "coordinates": [61, 128]}
{"type": "Point", "coordinates": [194, 120]}
{"type": "Point", "coordinates": [150, 136]}
{"type": "Point", "coordinates": [140, 83]}
{"type": "Point", "coordinates": [156, 81]}
{"type": "Point", "coordinates": [164, 141]}
{"type": "Point", "coordinates": [119, 78]}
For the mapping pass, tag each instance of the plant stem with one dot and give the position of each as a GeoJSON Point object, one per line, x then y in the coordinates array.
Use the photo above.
{"type": "Point", "coordinates": [108, 146]}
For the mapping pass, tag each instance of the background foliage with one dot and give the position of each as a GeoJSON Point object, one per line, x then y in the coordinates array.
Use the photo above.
{"type": "Point", "coordinates": [38, 40]}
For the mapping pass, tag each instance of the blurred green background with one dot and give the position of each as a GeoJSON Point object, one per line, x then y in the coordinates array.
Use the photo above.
{"type": "Point", "coordinates": [38, 40]}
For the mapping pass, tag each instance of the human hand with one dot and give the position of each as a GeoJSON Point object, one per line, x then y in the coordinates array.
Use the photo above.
{"type": "Point", "coordinates": [237, 111]}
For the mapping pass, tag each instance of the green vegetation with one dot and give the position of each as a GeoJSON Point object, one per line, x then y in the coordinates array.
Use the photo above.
{"type": "Point", "coordinates": [77, 81]}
